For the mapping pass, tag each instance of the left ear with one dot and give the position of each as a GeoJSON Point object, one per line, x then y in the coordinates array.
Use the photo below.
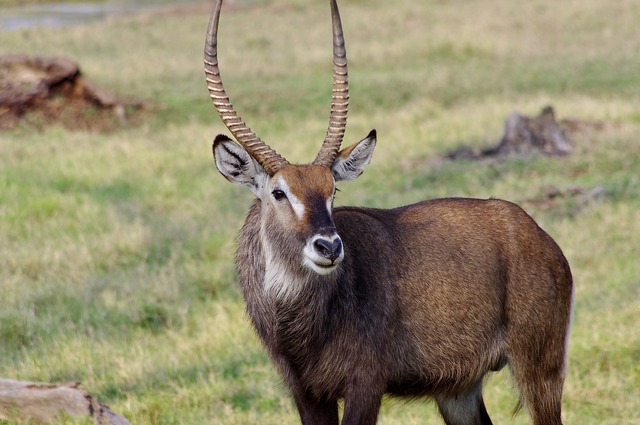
{"type": "Point", "coordinates": [236, 165]}
{"type": "Point", "coordinates": [352, 161]}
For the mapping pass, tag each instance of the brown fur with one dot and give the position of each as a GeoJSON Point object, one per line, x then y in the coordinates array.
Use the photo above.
{"type": "Point", "coordinates": [429, 298]}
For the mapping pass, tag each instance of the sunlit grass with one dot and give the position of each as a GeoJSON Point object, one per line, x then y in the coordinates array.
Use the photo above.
{"type": "Point", "coordinates": [116, 251]}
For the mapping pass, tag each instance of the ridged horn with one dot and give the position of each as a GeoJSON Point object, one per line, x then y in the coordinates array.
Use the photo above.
{"type": "Point", "coordinates": [268, 158]}
{"type": "Point", "coordinates": [339, 97]}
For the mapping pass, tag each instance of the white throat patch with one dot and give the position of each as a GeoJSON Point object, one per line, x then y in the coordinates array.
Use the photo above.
{"type": "Point", "coordinates": [278, 280]}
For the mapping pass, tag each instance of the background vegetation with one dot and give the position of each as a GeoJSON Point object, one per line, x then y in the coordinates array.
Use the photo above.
{"type": "Point", "coordinates": [23, 2]}
{"type": "Point", "coordinates": [116, 250]}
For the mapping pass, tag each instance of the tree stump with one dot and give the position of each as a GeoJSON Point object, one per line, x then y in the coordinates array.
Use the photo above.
{"type": "Point", "coordinates": [524, 136]}
{"type": "Point", "coordinates": [54, 90]}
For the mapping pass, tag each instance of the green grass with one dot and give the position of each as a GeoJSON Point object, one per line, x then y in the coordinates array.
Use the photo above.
{"type": "Point", "coordinates": [116, 250]}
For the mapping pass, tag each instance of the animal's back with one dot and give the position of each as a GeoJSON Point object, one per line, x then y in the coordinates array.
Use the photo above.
{"type": "Point", "coordinates": [467, 273]}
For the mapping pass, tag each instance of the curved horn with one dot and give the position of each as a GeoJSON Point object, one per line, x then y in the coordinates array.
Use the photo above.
{"type": "Point", "coordinates": [268, 158]}
{"type": "Point", "coordinates": [339, 97]}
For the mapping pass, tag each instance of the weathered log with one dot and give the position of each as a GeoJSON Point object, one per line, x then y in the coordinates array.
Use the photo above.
{"type": "Point", "coordinates": [49, 402]}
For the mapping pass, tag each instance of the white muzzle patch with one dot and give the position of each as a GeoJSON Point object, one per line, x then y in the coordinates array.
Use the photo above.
{"type": "Point", "coordinates": [317, 262]}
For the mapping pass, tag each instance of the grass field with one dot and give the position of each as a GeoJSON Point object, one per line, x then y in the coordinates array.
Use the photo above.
{"type": "Point", "coordinates": [116, 250]}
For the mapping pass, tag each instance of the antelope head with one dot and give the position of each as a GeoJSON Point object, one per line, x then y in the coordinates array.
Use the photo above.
{"type": "Point", "coordinates": [296, 200]}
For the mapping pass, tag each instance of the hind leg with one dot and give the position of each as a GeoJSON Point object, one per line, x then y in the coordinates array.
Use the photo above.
{"type": "Point", "coordinates": [542, 396]}
{"type": "Point", "coordinates": [539, 370]}
{"type": "Point", "coordinates": [464, 409]}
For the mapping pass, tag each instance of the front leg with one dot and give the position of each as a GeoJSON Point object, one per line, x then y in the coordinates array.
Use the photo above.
{"type": "Point", "coordinates": [362, 404]}
{"type": "Point", "coordinates": [313, 411]}
{"type": "Point", "coordinates": [316, 412]}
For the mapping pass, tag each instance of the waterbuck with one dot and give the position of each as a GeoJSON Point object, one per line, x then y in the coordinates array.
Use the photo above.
{"type": "Point", "coordinates": [422, 300]}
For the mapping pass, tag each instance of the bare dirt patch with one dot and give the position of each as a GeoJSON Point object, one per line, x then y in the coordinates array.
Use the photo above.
{"type": "Point", "coordinates": [40, 91]}
{"type": "Point", "coordinates": [568, 200]}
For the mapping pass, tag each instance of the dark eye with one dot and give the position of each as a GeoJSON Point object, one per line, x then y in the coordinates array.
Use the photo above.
{"type": "Point", "coordinates": [278, 194]}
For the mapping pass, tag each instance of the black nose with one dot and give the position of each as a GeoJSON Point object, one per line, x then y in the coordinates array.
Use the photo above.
{"type": "Point", "coordinates": [328, 249]}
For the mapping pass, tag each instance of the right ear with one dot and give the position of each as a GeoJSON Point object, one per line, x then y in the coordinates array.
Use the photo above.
{"type": "Point", "coordinates": [236, 165]}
